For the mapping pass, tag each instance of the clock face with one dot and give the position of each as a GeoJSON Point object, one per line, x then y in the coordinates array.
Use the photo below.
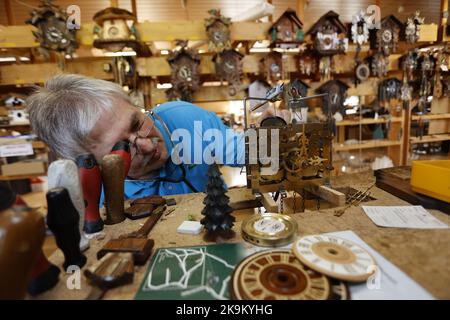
{"type": "Point", "coordinates": [274, 68]}
{"type": "Point", "coordinates": [54, 35]}
{"type": "Point", "coordinates": [387, 35]}
{"type": "Point", "coordinates": [218, 36]}
{"type": "Point", "coordinates": [113, 31]}
{"type": "Point", "coordinates": [185, 73]}
{"type": "Point", "coordinates": [229, 66]}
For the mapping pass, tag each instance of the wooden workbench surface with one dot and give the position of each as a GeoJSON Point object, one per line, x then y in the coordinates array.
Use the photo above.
{"type": "Point", "coordinates": [422, 254]}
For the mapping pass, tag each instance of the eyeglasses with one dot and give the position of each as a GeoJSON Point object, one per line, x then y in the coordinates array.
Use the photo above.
{"type": "Point", "coordinates": [135, 149]}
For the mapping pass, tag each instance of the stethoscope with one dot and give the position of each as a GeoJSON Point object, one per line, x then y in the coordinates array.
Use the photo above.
{"type": "Point", "coordinates": [181, 165]}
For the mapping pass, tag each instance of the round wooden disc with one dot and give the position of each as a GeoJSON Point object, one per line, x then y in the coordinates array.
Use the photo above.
{"type": "Point", "coordinates": [277, 275]}
{"type": "Point", "coordinates": [335, 257]}
{"type": "Point", "coordinates": [269, 229]}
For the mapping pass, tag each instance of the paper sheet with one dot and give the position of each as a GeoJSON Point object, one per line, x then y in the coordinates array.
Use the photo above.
{"type": "Point", "coordinates": [388, 283]}
{"type": "Point", "coordinates": [415, 217]}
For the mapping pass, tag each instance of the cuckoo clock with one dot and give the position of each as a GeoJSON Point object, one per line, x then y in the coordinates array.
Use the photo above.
{"type": "Point", "coordinates": [329, 35]}
{"type": "Point", "coordinates": [360, 29]}
{"type": "Point", "coordinates": [379, 65]}
{"type": "Point", "coordinates": [287, 31]}
{"type": "Point", "coordinates": [228, 66]}
{"type": "Point", "coordinates": [218, 30]}
{"type": "Point", "coordinates": [293, 91]}
{"type": "Point", "coordinates": [386, 38]}
{"type": "Point", "coordinates": [412, 29]}
{"type": "Point", "coordinates": [273, 66]}
{"type": "Point", "coordinates": [336, 90]}
{"type": "Point", "coordinates": [185, 70]}
{"type": "Point", "coordinates": [173, 95]}
{"type": "Point", "coordinates": [52, 32]}
{"type": "Point", "coordinates": [112, 31]}
{"type": "Point", "coordinates": [389, 89]}
{"type": "Point", "coordinates": [307, 62]}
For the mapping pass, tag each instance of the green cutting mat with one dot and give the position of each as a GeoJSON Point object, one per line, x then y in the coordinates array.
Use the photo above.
{"type": "Point", "coordinates": [190, 273]}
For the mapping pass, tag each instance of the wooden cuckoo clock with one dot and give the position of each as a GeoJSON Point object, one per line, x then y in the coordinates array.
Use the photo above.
{"type": "Point", "coordinates": [386, 38]}
{"type": "Point", "coordinates": [112, 31]}
{"type": "Point", "coordinates": [329, 35]}
{"type": "Point", "coordinates": [52, 32]}
{"type": "Point", "coordinates": [218, 30]}
{"type": "Point", "coordinates": [336, 90]}
{"type": "Point", "coordinates": [308, 63]}
{"type": "Point", "coordinates": [185, 70]}
{"type": "Point", "coordinates": [293, 91]}
{"type": "Point", "coordinates": [412, 30]}
{"type": "Point", "coordinates": [228, 66]}
{"type": "Point", "coordinates": [389, 89]}
{"type": "Point", "coordinates": [379, 65]}
{"type": "Point", "coordinates": [273, 67]}
{"type": "Point", "coordinates": [287, 31]}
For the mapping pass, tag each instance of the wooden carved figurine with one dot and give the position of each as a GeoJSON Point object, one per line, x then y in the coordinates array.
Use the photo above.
{"type": "Point", "coordinates": [22, 232]}
{"type": "Point", "coordinates": [63, 220]}
{"type": "Point", "coordinates": [287, 31]}
{"type": "Point", "coordinates": [307, 62]}
{"type": "Point", "coordinates": [185, 71]}
{"type": "Point", "coordinates": [218, 30]}
{"type": "Point", "coordinates": [113, 182]}
{"type": "Point", "coordinates": [218, 220]}
{"type": "Point", "coordinates": [228, 66]}
{"type": "Point", "coordinates": [64, 173]}
{"type": "Point", "coordinates": [91, 185]}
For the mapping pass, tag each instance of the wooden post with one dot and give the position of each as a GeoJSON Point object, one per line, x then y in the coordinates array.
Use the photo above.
{"type": "Point", "coordinates": [9, 13]}
{"type": "Point", "coordinates": [301, 10]}
{"type": "Point", "coordinates": [134, 8]}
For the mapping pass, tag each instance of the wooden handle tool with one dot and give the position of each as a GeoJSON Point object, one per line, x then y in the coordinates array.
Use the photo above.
{"type": "Point", "coordinates": [113, 182]}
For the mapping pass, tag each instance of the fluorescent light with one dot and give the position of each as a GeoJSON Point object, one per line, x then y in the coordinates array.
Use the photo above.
{"type": "Point", "coordinates": [260, 50]}
{"type": "Point", "coordinates": [163, 85]}
{"type": "Point", "coordinates": [212, 84]}
{"type": "Point", "coordinates": [164, 52]}
{"type": "Point", "coordinates": [201, 51]}
{"type": "Point", "coordinates": [13, 59]}
{"type": "Point", "coordinates": [120, 54]}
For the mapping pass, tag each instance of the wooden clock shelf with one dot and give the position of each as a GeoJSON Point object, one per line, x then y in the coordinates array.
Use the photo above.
{"type": "Point", "coordinates": [437, 116]}
{"type": "Point", "coordinates": [365, 121]}
{"type": "Point", "coordinates": [369, 144]}
{"type": "Point", "coordinates": [430, 138]}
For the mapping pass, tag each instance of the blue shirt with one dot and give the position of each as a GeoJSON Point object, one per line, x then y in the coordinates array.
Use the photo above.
{"type": "Point", "coordinates": [209, 138]}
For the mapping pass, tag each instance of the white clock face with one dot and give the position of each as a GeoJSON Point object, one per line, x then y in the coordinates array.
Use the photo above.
{"type": "Point", "coordinates": [185, 73]}
{"type": "Point", "coordinates": [274, 68]}
{"type": "Point", "coordinates": [113, 31]}
{"type": "Point", "coordinates": [54, 35]}
{"type": "Point", "coordinates": [269, 226]}
{"type": "Point", "coordinates": [387, 35]}
{"type": "Point", "coordinates": [335, 257]}
{"type": "Point", "coordinates": [229, 66]}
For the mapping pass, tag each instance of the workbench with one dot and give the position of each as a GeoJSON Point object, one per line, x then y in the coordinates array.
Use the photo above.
{"type": "Point", "coordinates": [424, 255]}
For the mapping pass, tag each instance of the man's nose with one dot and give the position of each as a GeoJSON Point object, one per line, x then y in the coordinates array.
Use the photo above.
{"type": "Point", "coordinates": [147, 145]}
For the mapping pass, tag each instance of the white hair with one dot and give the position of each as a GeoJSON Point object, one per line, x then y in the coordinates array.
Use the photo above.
{"type": "Point", "coordinates": [66, 109]}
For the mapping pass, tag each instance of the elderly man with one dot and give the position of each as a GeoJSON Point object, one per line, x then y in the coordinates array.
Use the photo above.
{"type": "Point", "coordinates": [74, 114]}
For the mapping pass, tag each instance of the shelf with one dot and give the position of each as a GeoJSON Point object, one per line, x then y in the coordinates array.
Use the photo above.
{"type": "Point", "coordinates": [366, 121]}
{"type": "Point", "coordinates": [366, 145]}
{"type": "Point", "coordinates": [431, 116]}
{"type": "Point", "coordinates": [430, 138]}
{"type": "Point", "coordinates": [21, 177]}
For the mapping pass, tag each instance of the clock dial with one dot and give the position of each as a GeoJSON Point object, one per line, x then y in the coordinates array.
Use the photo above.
{"type": "Point", "coordinates": [278, 275]}
{"type": "Point", "coordinates": [185, 73]}
{"type": "Point", "coordinates": [113, 31]}
{"type": "Point", "coordinates": [269, 229]}
{"type": "Point", "coordinates": [274, 68]}
{"type": "Point", "coordinates": [387, 35]}
{"type": "Point", "coordinates": [335, 257]}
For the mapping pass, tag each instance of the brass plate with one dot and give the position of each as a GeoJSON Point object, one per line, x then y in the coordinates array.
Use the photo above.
{"type": "Point", "coordinates": [335, 257]}
{"type": "Point", "coordinates": [277, 275]}
{"type": "Point", "coordinates": [269, 230]}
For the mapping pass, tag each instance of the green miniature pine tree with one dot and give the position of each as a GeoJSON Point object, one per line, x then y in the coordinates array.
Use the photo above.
{"type": "Point", "coordinates": [218, 220]}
